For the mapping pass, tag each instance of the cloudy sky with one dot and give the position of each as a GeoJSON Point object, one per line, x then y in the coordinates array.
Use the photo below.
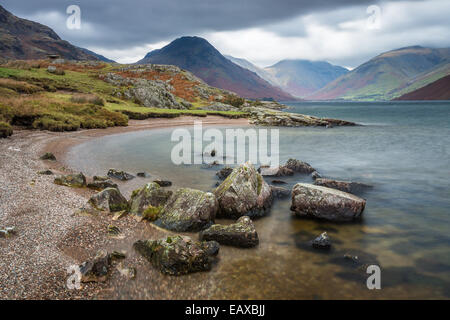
{"type": "Point", "coordinates": [346, 32]}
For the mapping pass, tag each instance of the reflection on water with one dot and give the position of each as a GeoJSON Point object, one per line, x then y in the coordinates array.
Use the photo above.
{"type": "Point", "coordinates": [402, 150]}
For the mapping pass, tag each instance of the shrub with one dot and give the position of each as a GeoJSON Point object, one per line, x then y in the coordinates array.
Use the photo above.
{"type": "Point", "coordinates": [87, 98]}
{"type": "Point", "coordinates": [235, 101]}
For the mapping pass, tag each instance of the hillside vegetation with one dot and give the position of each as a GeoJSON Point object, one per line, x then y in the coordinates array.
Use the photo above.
{"type": "Point", "coordinates": [67, 96]}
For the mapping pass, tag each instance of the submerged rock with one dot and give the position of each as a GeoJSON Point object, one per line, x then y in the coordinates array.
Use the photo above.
{"type": "Point", "coordinates": [188, 210]}
{"type": "Point", "coordinates": [239, 234]}
{"type": "Point", "coordinates": [346, 186]}
{"type": "Point", "coordinates": [149, 198]}
{"type": "Point", "coordinates": [97, 269]}
{"type": "Point", "coordinates": [325, 203]}
{"type": "Point", "coordinates": [322, 241]}
{"type": "Point", "coordinates": [48, 156]}
{"type": "Point", "coordinates": [142, 174]}
{"type": "Point", "coordinates": [110, 200]}
{"type": "Point", "coordinates": [299, 166]}
{"type": "Point", "coordinates": [280, 192]}
{"type": "Point", "coordinates": [71, 180]}
{"type": "Point", "coordinates": [178, 255]}
{"type": "Point", "coordinates": [279, 182]}
{"type": "Point", "coordinates": [163, 183]}
{"type": "Point", "coordinates": [120, 175]}
{"type": "Point", "coordinates": [101, 185]}
{"type": "Point", "coordinates": [244, 192]}
{"type": "Point", "coordinates": [224, 173]}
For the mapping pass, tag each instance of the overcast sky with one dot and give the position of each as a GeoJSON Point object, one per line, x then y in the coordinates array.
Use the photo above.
{"type": "Point", "coordinates": [345, 32]}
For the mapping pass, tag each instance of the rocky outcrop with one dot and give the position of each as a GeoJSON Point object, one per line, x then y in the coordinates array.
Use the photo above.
{"type": "Point", "coordinates": [239, 234]}
{"type": "Point", "coordinates": [178, 255]}
{"type": "Point", "coordinates": [218, 106]}
{"type": "Point", "coordinates": [346, 186]}
{"type": "Point", "coordinates": [325, 203]}
{"type": "Point", "coordinates": [147, 202]}
{"type": "Point", "coordinates": [119, 175]}
{"type": "Point", "coordinates": [244, 192]}
{"type": "Point", "coordinates": [322, 241]}
{"type": "Point", "coordinates": [110, 200]}
{"type": "Point", "coordinates": [299, 166]}
{"type": "Point", "coordinates": [188, 210]}
{"type": "Point", "coordinates": [268, 117]}
{"type": "Point", "coordinates": [71, 180]}
{"type": "Point", "coordinates": [96, 270]}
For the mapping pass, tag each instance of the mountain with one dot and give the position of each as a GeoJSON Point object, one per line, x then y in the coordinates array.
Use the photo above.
{"type": "Point", "coordinates": [303, 77]}
{"type": "Point", "coordinates": [199, 57]}
{"type": "Point", "coordinates": [437, 90]}
{"type": "Point", "coordinates": [250, 66]}
{"type": "Point", "coordinates": [388, 75]}
{"type": "Point", "coordinates": [98, 56]}
{"type": "Point", "coordinates": [24, 39]}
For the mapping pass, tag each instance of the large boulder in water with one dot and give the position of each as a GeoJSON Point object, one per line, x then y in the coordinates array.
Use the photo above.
{"type": "Point", "coordinates": [148, 199]}
{"type": "Point", "coordinates": [188, 210]}
{"type": "Point", "coordinates": [109, 199]}
{"type": "Point", "coordinates": [244, 192]}
{"type": "Point", "coordinates": [178, 255]}
{"type": "Point", "coordinates": [299, 166]}
{"type": "Point", "coordinates": [346, 186]}
{"type": "Point", "coordinates": [71, 180]}
{"type": "Point", "coordinates": [239, 234]}
{"type": "Point", "coordinates": [325, 203]}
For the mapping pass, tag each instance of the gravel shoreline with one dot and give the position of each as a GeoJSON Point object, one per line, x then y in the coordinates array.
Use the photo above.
{"type": "Point", "coordinates": [51, 237]}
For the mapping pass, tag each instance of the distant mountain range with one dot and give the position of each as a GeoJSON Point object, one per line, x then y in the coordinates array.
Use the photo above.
{"type": "Point", "coordinates": [198, 56]}
{"type": "Point", "coordinates": [24, 39]}
{"type": "Point", "coordinates": [389, 75]}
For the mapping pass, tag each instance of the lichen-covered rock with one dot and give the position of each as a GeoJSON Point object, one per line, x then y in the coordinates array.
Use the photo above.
{"type": "Point", "coordinates": [325, 203]}
{"type": "Point", "coordinates": [299, 166]}
{"type": "Point", "coordinates": [188, 210]}
{"type": "Point", "coordinates": [96, 270]}
{"type": "Point", "coordinates": [239, 234]}
{"type": "Point", "coordinates": [224, 173]}
{"type": "Point", "coordinates": [322, 241]}
{"type": "Point", "coordinates": [101, 185]}
{"type": "Point", "coordinates": [280, 192]}
{"type": "Point", "coordinates": [110, 200]}
{"type": "Point", "coordinates": [150, 197]}
{"type": "Point", "coordinates": [244, 192]}
{"type": "Point", "coordinates": [178, 255]}
{"type": "Point", "coordinates": [120, 175]}
{"type": "Point", "coordinates": [71, 180]}
{"type": "Point", "coordinates": [346, 186]}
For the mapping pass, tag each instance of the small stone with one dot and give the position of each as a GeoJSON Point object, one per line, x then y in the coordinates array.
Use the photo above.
{"type": "Point", "coordinates": [48, 156]}
{"type": "Point", "coordinates": [117, 255]}
{"type": "Point", "coordinates": [45, 172]}
{"type": "Point", "coordinates": [115, 232]}
{"type": "Point", "coordinates": [142, 174]}
{"type": "Point", "coordinates": [71, 180]}
{"type": "Point", "coordinates": [97, 269]}
{"type": "Point", "coordinates": [163, 183]}
{"type": "Point", "coordinates": [280, 192]}
{"type": "Point", "coordinates": [7, 232]}
{"type": "Point", "coordinates": [322, 241]}
{"type": "Point", "coordinates": [118, 215]}
{"type": "Point", "coordinates": [315, 175]}
{"type": "Point", "coordinates": [120, 175]}
{"type": "Point", "coordinates": [279, 182]}
{"type": "Point", "coordinates": [110, 200]}
{"type": "Point", "coordinates": [127, 272]}
{"type": "Point", "coordinates": [100, 178]}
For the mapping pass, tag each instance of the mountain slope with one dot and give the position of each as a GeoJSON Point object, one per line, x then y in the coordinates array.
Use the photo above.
{"type": "Point", "coordinates": [302, 77]}
{"type": "Point", "coordinates": [24, 39]}
{"type": "Point", "coordinates": [438, 90]}
{"type": "Point", "coordinates": [199, 57]}
{"type": "Point", "coordinates": [250, 66]}
{"type": "Point", "coordinates": [385, 76]}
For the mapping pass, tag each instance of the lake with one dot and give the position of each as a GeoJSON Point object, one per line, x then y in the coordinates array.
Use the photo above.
{"type": "Point", "coordinates": [402, 149]}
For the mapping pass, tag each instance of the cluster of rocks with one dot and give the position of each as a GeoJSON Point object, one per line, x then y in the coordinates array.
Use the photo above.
{"type": "Point", "coordinates": [269, 117]}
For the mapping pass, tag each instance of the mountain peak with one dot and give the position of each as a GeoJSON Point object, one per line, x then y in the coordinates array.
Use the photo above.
{"type": "Point", "coordinates": [197, 55]}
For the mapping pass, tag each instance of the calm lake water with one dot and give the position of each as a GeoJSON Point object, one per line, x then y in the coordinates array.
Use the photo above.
{"type": "Point", "coordinates": [402, 149]}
